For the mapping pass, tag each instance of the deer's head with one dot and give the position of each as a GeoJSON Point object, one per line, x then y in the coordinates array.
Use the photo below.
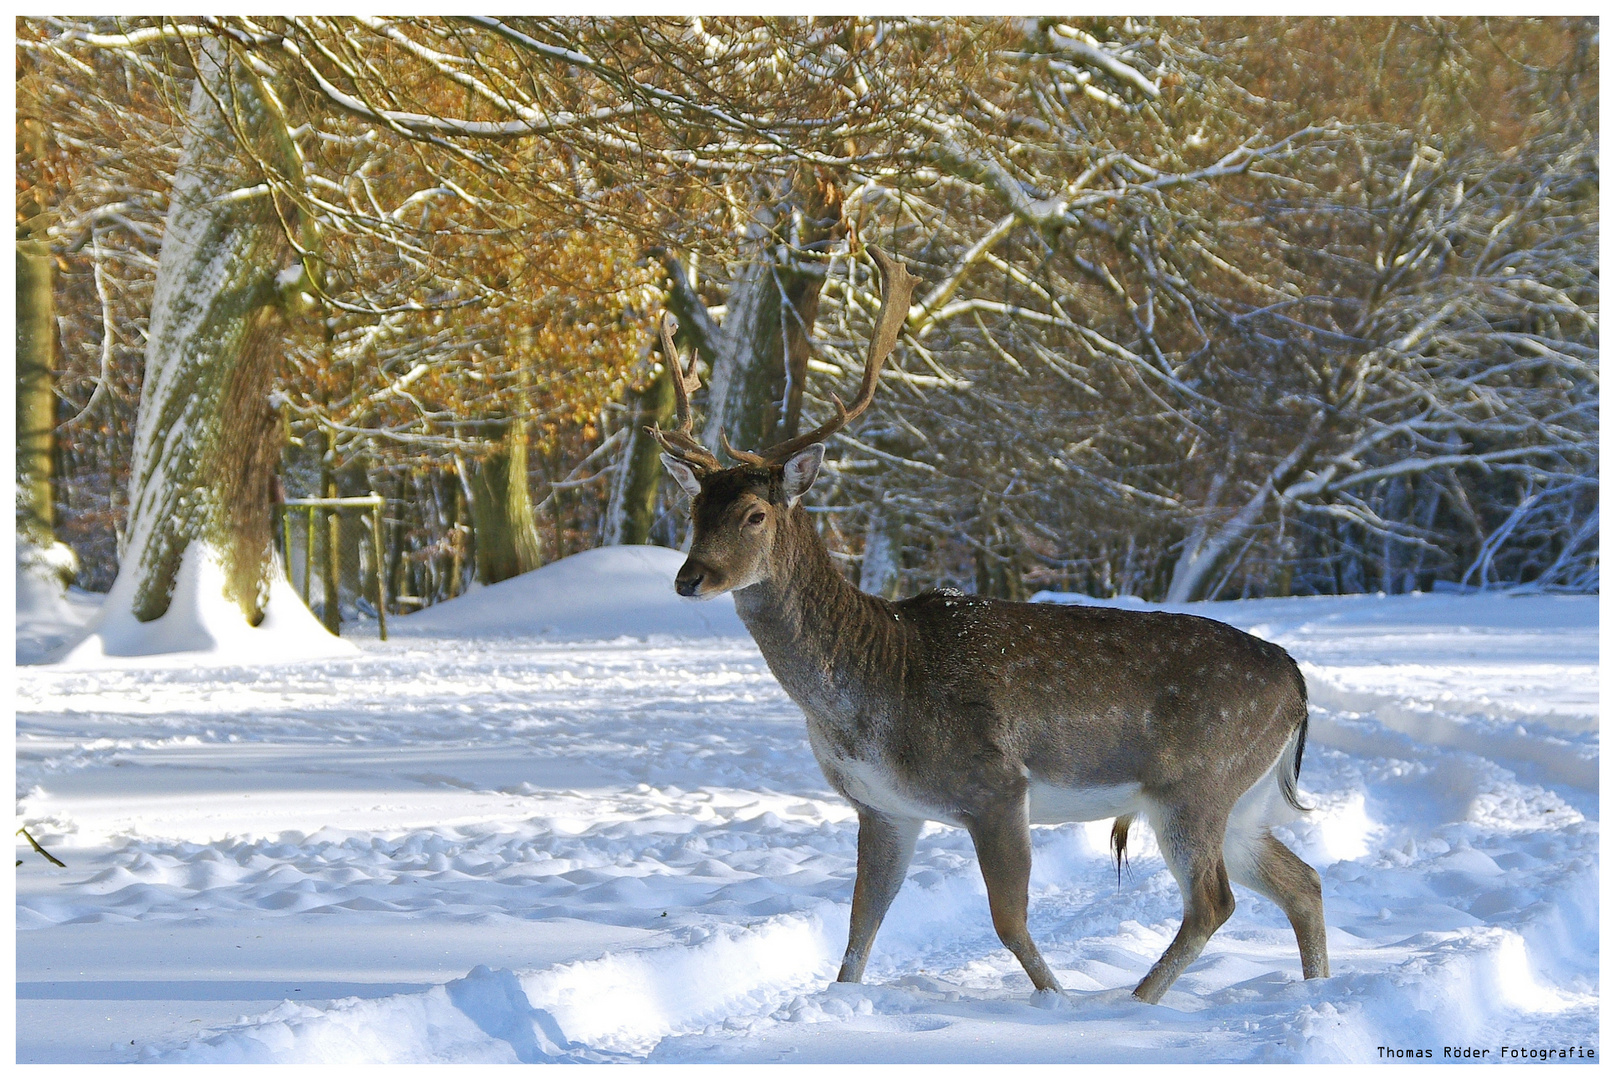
{"type": "Point", "coordinates": [739, 513]}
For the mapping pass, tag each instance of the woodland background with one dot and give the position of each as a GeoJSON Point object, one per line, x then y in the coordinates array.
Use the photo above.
{"type": "Point", "coordinates": [1208, 308]}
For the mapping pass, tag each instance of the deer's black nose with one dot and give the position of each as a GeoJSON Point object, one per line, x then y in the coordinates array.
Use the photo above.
{"type": "Point", "coordinates": [689, 579]}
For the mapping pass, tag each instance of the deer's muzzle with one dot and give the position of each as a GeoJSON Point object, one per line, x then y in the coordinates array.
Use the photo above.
{"type": "Point", "coordinates": [690, 578]}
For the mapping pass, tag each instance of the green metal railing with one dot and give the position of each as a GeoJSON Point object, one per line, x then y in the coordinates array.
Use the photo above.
{"type": "Point", "coordinates": [325, 545]}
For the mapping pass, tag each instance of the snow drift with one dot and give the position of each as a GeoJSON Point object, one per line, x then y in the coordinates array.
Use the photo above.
{"type": "Point", "coordinates": [603, 593]}
{"type": "Point", "coordinates": [201, 626]}
{"type": "Point", "coordinates": [48, 612]}
{"type": "Point", "coordinates": [466, 848]}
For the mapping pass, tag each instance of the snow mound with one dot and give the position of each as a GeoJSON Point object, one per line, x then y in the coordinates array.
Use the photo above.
{"type": "Point", "coordinates": [616, 1008]}
{"type": "Point", "coordinates": [478, 850]}
{"type": "Point", "coordinates": [595, 595]}
{"type": "Point", "coordinates": [201, 626]}
{"type": "Point", "coordinates": [47, 613]}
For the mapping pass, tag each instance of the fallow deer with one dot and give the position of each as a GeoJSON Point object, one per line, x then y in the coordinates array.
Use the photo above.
{"type": "Point", "coordinates": [992, 715]}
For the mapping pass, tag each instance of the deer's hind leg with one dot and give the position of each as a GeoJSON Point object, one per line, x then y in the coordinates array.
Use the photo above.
{"type": "Point", "coordinates": [1275, 871]}
{"type": "Point", "coordinates": [1192, 845]}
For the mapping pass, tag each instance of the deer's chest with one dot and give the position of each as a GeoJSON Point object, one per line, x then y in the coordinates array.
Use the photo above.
{"type": "Point", "coordinates": [866, 776]}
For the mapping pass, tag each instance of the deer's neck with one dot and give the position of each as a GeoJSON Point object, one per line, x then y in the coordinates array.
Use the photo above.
{"type": "Point", "coordinates": [838, 652]}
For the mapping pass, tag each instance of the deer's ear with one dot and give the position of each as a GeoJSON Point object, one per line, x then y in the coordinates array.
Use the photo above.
{"type": "Point", "coordinates": [800, 472]}
{"type": "Point", "coordinates": [683, 474]}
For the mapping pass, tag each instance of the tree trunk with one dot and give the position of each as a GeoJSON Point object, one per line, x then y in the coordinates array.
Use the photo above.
{"type": "Point", "coordinates": [881, 572]}
{"type": "Point", "coordinates": [462, 528]}
{"type": "Point", "coordinates": [44, 567]}
{"type": "Point", "coordinates": [1207, 550]}
{"type": "Point", "coordinates": [998, 563]}
{"type": "Point", "coordinates": [207, 440]}
{"type": "Point", "coordinates": [632, 509]}
{"type": "Point", "coordinates": [502, 512]}
{"type": "Point", "coordinates": [761, 355]}
{"type": "Point", "coordinates": [53, 564]}
{"type": "Point", "coordinates": [36, 396]}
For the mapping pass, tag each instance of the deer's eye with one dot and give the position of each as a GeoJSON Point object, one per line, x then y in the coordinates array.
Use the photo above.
{"type": "Point", "coordinates": [757, 518]}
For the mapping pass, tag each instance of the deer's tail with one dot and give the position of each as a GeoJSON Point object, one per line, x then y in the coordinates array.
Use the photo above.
{"type": "Point", "coordinates": [1118, 843]}
{"type": "Point", "coordinates": [1290, 770]}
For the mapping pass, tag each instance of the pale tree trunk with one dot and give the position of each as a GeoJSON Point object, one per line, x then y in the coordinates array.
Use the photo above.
{"type": "Point", "coordinates": [759, 361]}
{"type": "Point", "coordinates": [632, 509]}
{"type": "Point", "coordinates": [1207, 549]}
{"type": "Point", "coordinates": [881, 571]}
{"type": "Point", "coordinates": [502, 511]}
{"type": "Point", "coordinates": [207, 441]}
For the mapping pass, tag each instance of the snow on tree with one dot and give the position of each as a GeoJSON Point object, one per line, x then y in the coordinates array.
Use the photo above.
{"type": "Point", "coordinates": [198, 567]}
{"type": "Point", "coordinates": [207, 441]}
{"type": "Point", "coordinates": [1199, 317]}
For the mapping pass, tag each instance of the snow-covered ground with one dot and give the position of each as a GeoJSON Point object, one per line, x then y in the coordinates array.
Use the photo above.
{"type": "Point", "coordinates": [466, 844]}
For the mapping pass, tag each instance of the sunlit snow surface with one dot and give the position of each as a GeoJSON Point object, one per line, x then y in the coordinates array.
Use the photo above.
{"type": "Point", "coordinates": [507, 849]}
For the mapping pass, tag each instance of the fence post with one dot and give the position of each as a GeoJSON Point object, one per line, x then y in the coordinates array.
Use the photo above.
{"type": "Point", "coordinates": [308, 555]}
{"type": "Point", "coordinates": [332, 572]}
{"type": "Point", "coordinates": [286, 539]}
{"type": "Point", "coordinates": [381, 575]}
{"type": "Point", "coordinates": [331, 559]}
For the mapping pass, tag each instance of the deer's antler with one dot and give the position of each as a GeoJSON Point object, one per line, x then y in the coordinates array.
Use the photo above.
{"type": "Point", "coordinates": [681, 441]}
{"type": "Point", "coordinates": [896, 287]}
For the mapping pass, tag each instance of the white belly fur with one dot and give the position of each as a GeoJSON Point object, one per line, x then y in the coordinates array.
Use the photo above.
{"type": "Point", "coordinates": [871, 785]}
{"type": "Point", "coordinates": [1050, 805]}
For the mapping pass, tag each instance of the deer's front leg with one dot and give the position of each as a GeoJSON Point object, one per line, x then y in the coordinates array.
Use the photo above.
{"type": "Point", "coordinates": [1003, 840]}
{"type": "Point", "coordinates": [885, 846]}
